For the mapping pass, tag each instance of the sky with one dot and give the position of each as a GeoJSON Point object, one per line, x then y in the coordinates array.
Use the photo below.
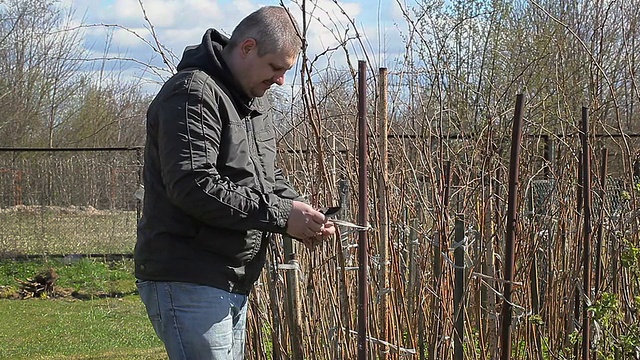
{"type": "Point", "coordinates": [178, 23]}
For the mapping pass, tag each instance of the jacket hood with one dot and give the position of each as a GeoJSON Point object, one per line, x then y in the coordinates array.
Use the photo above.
{"type": "Point", "coordinates": [207, 56]}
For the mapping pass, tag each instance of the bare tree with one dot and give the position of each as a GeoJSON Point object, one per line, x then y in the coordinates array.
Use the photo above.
{"type": "Point", "coordinates": [39, 67]}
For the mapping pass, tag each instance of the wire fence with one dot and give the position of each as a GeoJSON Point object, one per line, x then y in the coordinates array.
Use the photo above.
{"type": "Point", "coordinates": [83, 201]}
{"type": "Point", "coordinates": [68, 201]}
{"type": "Point", "coordinates": [428, 189]}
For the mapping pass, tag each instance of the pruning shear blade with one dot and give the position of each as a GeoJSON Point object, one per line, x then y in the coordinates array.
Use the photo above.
{"type": "Point", "coordinates": [349, 224]}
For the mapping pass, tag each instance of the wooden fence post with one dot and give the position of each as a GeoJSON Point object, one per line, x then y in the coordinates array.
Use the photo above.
{"type": "Point", "coordinates": [459, 288]}
{"type": "Point", "coordinates": [293, 300]}
{"type": "Point", "coordinates": [383, 177]}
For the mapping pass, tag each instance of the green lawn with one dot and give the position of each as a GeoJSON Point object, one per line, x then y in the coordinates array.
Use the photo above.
{"type": "Point", "coordinates": [91, 277]}
{"type": "Point", "coordinates": [109, 328]}
{"type": "Point", "coordinates": [68, 328]}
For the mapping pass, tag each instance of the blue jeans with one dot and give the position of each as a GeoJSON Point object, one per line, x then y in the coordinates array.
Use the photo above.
{"type": "Point", "coordinates": [196, 322]}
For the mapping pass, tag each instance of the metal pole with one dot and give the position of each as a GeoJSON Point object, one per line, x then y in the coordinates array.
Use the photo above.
{"type": "Point", "coordinates": [363, 212]}
{"type": "Point", "coordinates": [586, 278]}
{"type": "Point", "coordinates": [514, 162]}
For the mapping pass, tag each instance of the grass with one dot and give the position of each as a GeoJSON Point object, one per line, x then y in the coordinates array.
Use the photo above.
{"type": "Point", "coordinates": [54, 230]}
{"type": "Point", "coordinates": [91, 277]}
{"type": "Point", "coordinates": [109, 328]}
{"type": "Point", "coordinates": [68, 328]}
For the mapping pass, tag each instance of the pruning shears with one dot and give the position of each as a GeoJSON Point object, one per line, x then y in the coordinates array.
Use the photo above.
{"type": "Point", "coordinates": [332, 211]}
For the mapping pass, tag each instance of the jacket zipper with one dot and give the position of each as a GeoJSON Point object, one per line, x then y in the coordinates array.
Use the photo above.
{"type": "Point", "coordinates": [253, 149]}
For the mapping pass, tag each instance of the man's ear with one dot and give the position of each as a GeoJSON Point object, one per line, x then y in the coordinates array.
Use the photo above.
{"type": "Point", "coordinates": [247, 46]}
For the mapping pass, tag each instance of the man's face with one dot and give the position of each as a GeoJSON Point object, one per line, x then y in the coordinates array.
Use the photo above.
{"type": "Point", "coordinates": [260, 72]}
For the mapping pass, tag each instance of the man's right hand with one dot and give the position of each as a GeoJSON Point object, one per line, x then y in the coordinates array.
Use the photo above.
{"type": "Point", "coordinates": [304, 221]}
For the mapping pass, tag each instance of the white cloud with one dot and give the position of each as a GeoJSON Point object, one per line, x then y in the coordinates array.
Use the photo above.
{"type": "Point", "coordinates": [161, 13]}
{"type": "Point", "coordinates": [177, 39]}
{"type": "Point", "coordinates": [327, 23]}
{"type": "Point", "coordinates": [125, 9]}
{"type": "Point", "coordinates": [179, 23]}
{"type": "Point", "coordinates": [395, 11]}
{"type": "Point", "coordinates": [170, 13]}
{"type": "Point", "coordinates": [244, 7]}
{"type": "Point", "coordinates": [186, 17]}
{"type": "Point", "coordinates": [129, 38]}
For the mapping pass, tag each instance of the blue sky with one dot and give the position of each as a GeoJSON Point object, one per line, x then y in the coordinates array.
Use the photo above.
{"type": "Point", "coordinates": [179, 23]}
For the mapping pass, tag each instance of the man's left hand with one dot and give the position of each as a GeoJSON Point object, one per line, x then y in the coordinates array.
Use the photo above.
{"type": "Point", "coordinates": [328, 230]}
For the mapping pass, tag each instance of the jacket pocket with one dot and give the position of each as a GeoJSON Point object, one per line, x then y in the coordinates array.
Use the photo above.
{"type": "Point", "coordinates": [266, 141]}
{"type": "Point", "coordinates": [237, 246]}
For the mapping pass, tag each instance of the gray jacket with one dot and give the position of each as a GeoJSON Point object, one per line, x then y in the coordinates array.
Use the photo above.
{"type": "Point", "coordinates": [212, 192]}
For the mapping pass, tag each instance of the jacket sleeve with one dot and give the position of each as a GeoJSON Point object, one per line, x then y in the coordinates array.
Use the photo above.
{"type": "Point", "coordinates": [189, 133]}
{"type": "Point", "coordinates": [283, 189]}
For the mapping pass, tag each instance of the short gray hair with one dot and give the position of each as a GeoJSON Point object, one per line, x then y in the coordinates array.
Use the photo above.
{"type": "Point", "coordinates": [272, 27]}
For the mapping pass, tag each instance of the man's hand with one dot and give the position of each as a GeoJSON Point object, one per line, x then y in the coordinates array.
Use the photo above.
{"type": "Point", "coordinates": [304, 221]}
{"type": "Point", "coordinates": [327, 230]}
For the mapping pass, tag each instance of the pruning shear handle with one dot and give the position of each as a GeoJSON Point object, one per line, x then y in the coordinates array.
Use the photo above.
{"type": "Point", "coordinates": [330, 211]}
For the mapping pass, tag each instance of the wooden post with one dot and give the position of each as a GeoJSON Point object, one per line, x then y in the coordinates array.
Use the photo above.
{"type": "Point", "coordinates": [586, 239]}
{"type": "Point", "coordinates": [603, 195]}
{"type": "Point", "coordinates": [333, 160]}
{"type": "Point", "coordinates": [383, 178]}
{"type": "Point", "coordinates": [276, 331]}
{"type": "Point", "coordinates": [413, 268]}
{"type": "Point", "coordinates": [509, 258]}
{"type": "Point", "coordinates": [363, 213]}
{"type": "Point", "coordinates": [342, 252]}
{"type": "Point", "coordinates": [535, 297]}
{"type": "Point", "coordinates": [574, 318]}
{"type": "Point", "coordinates": [492, 316]}
{"type": "Point", "coordinates": [439, 244]}
{"type": "Point", "coordinates": [293, 300]}
{"type": "Point", "coordinates": [459, 288]}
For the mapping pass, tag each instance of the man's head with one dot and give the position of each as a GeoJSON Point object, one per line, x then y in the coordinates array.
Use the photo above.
{"type": "Point", "coordinates": [262, 48]}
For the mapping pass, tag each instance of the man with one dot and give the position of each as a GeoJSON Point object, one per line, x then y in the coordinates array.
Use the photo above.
{"type": "Point", "coordinates": [212, 192]}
